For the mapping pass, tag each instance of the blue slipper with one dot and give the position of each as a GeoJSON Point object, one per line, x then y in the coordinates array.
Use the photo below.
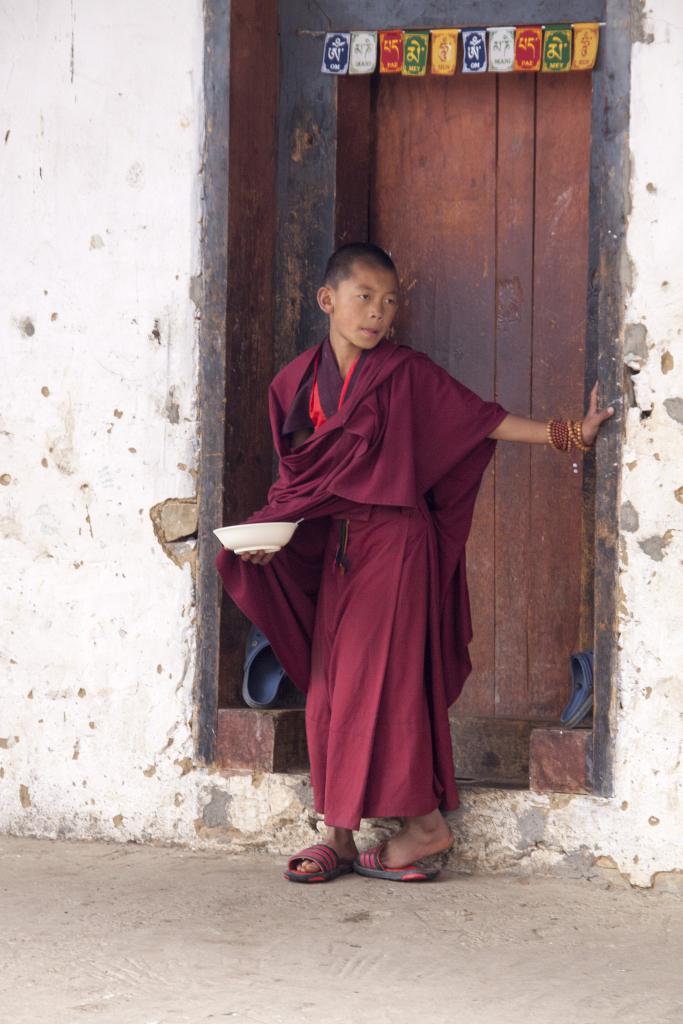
{"type": "Point", "coordinates": [265, 684]}
{"type": "Point", "coordinates": [581, 699]}
{"type": "Point", "coordinates": [263, 673]}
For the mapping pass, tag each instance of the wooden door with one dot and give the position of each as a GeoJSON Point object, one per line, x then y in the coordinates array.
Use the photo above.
{"type": "Point", "coordinates": [478, 186]}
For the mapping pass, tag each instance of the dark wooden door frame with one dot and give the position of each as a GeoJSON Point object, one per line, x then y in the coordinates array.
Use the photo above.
{"type": "Point", "coordinates": [306, 204]}
{"type": "Point", "coordinates": [212, 369]}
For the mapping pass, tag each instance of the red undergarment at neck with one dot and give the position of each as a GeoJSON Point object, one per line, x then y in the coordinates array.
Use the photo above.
{"type": "Point", "coordinates": [315, 408]}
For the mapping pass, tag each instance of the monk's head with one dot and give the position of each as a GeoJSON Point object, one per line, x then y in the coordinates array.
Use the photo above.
{"type": "Point", "coordinates": [360, 294]}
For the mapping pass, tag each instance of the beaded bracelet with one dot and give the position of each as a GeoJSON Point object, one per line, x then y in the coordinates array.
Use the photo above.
{"type": "Point", "coordinates": [558, 435]}
{"type": "Point", "coordinates": [562, 434]}
{"type": "Point", "coordinates": [576, 434]}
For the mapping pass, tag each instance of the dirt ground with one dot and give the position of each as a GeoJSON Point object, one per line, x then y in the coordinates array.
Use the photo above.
{"type": "Point", "coordinates": [148, 935]}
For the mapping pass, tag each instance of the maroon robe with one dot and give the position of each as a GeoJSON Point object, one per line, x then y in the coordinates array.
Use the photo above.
{"type": "Point", "coordinates": [401, 462]}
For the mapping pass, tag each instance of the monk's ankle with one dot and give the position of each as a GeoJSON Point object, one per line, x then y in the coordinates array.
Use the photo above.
{"type": "Point", "coordinates": [342, 837]}
{"type": "Point", "coordinates": [427, 825]}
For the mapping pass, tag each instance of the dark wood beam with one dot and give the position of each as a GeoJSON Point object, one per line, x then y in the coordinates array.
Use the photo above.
{"type": "Point", "coordinates": [608, 221]}
{"type": "Point", "coordinates": [211, 382]}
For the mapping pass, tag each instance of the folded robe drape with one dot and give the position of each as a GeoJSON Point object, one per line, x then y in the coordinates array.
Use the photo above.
{"type": "Point", "coordinates": [408, 436]}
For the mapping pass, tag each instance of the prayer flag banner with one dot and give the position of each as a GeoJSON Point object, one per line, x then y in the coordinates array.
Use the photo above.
{"type": "Point", "coordinates": [501, 49]}
{"type": "Point", "coordinates": [586, 38]}
{"type": "Point", "coordinates": [557, 48]}
{"type": "Point", "coordinates": [565, 47]}
{"type": "Point", "coordinates": [363, 59]}
{"type": "Point", "coordinates": [391, 52]}
{"type": "Point", "coordinates": [336, 53]}
{"type": "Point", "coordinates": [528, 48]}
{"type": "Point", "coordinates": [444, 50]}
{"type": "Point", "coordinates": [474, 49]}
{"type": "Point", "coordinates": [415, 49]}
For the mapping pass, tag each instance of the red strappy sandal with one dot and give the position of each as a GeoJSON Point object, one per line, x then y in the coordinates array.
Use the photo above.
{"type": "Point", "coordinates": [369, 863]}
{"type": "Point", "coordinates": [330, 863]}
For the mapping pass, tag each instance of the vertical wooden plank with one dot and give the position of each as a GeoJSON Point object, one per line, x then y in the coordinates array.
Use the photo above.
{"type": "Point", "coordinates": [559, 327]}
{"type": "Point", "coordinates": [475, 267]}
{"type": "Point", "coordinates": [354, 126]}
{"type": "Point", "coordinates": [432, 206]}
{"type": "Point", "coordinates": [305, 177]}
{"type": "Point", "coordinates": [251, 246]}
{"type": "Point", "coordinates": [514, 296]}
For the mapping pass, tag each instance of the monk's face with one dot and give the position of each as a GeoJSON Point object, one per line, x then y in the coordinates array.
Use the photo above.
{"type": "Point", "coordinates": [362, 307]}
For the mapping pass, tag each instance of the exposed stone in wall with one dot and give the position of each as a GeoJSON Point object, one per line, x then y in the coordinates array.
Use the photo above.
{"type": "Point", "coordinates": [629, 517]}
{"type": "Point", "coordinates": [655, 547]}
{"type": "Point", "coordinates": [215, 813]}
{"type": "Point", "coordinates": [674, 407]}
{"type": "Point", "coordinates": [667, 362]}
{"type": "Point", "coordinates": [175, 527]}
{"type": "Point", "coordinates": [26, 326]}
{"type": "Point", "coordinates": [635, 345]}
{"type": "Point", "coordinates": [640, 24]}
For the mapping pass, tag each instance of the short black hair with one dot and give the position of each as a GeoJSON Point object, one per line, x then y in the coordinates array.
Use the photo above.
{"type": "Point", "coordinates": [342, 259]}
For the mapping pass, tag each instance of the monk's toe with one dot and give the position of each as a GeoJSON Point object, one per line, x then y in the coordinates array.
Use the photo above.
{"type": "Point", "coordinates": [308, 865]}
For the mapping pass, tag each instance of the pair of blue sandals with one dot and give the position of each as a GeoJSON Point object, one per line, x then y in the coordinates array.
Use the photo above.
{"type": "Point", "coordinates": [265, 684]}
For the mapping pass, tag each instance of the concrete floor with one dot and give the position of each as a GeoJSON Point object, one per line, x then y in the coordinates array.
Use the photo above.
{"type": "Point", "coordinates": [148, 935]}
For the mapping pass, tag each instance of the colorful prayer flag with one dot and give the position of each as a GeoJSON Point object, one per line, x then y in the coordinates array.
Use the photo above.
{"type": "Point", "coordinates": [528, 48]}
{"type": "Point", "coordinates": [557, 48]}
{"type": "Point", "coordinates": [501, 49]}
{"type": "Point", "coordinates": [391, 52]}
{"type": "Point", "coordinates": [586, 38]}
{"type": "Point", "coordinates": [363, 59]}
{"type": "Point", "coordinates": [444, 50]}
{"type": "Point", "coordinates": [415, 49]}
{"type": "Point", "coordinates": [474, 49]}
{"type": "Point", "coordinates": [336, 53]}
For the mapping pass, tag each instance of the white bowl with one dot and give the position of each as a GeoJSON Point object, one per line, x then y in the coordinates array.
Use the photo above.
{"type": "Point", "coordinates": [249, 537]}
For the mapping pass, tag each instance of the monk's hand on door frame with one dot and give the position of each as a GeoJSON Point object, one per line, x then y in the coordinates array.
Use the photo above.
{"type": "Point", "coordinates": [257, 557]}
{"type": "Point", "coordinates": [595, 417]}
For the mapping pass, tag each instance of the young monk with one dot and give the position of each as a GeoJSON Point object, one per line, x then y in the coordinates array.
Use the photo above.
{"type": "Point", "coordinates": [381, 453]}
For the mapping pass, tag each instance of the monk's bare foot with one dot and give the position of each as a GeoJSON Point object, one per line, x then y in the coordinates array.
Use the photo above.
{"type": "Point", "coordinates": [341, 840]}
{"type": "Point", "coordinates": [419, 837]}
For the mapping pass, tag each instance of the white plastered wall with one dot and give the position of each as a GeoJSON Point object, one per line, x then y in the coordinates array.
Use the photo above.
{"type": "Point", "coordinates": [101, 114]}
{"type": "Point", "coordinates": [101, 181]}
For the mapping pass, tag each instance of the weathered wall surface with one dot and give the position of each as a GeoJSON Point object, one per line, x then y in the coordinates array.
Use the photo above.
{"type": "Point", "coordinates": [101, 172]}
{"type": "Point", "coordinates": [101, 149]}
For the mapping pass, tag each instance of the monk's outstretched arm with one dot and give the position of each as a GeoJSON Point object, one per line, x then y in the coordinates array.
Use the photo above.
{"type": "Point", "coordinates": [517, 428]}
